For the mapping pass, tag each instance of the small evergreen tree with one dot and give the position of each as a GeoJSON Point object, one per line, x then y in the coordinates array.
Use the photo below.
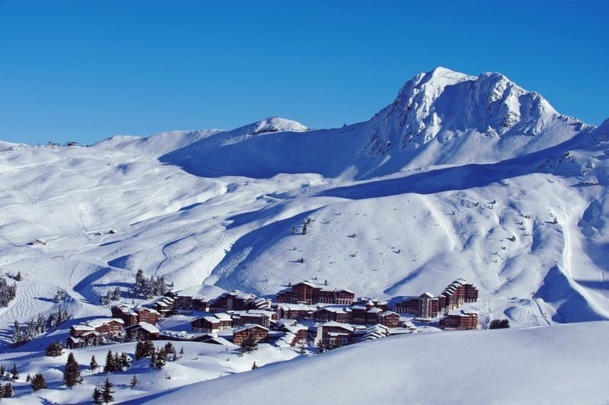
{"type": "Point", "coordinates": [54, 349]}
{"type": "Point", "coordinates": [109, 366]}
{"type": "Point", "coordinates": [2, 370]}
{"type": "Point", "coordinates": [38, 382]}
{"type": "Point", "coordinates": [97, 396]}
{"type": "Point", "coordinates": [28, 378]}
{"type": "Point", "coordinates": [93, 364]}
{"type": "Point", "coordinates": [117, 362]}
{"type": "Point", "coordinates": [134, 382]}
{"type": "Point", "coordinates": [125, 361]}
{"type": "Point", "coordinates": [250, 344]}
{"type": "Point", "coordinates": [254, 366]}
{"type": "Point", "coordinates": [499, 324]}
{"type": "Point", "coordinates": [18, 277]}
{"type": "Point", "coordinates": [14, 372]}
{"type": "Point", "coordinates": [107, 392]}
{"type": "Point", "coordinates": [161, 359]}
{"type": "Point", "coordinates": [71, 372]}
{"type": "Point", "coordinates": [8, 390]}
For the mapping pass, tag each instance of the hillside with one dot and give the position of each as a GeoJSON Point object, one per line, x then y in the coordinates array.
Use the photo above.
{"type": "Point", "coordinates": [461, 176]}
{"type": "Point", "coordinates": [552, 365]}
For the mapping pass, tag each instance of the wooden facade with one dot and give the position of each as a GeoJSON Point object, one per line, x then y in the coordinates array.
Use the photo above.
{"type": "Point", "coordinates": [260, 333]}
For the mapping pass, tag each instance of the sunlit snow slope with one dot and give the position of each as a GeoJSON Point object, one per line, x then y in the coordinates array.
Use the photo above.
{"type": "Point", "coordinates": [460, 176]}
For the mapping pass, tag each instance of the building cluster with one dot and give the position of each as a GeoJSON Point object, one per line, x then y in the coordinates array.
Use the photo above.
{"type": "Point", "coordinates": [427, 306]}
{"type": "Point", "coordinates": [304, 312]}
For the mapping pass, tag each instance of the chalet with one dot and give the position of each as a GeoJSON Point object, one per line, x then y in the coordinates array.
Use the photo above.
{"type": "Point", "coordinates": [260, 333]}
{"type": "Point", "coordinates": [212, 323]}
{"type": "Point", "coordinates": [85, 339]}
{"type": "Point", "coordinates": [232, 301]}
{"type": "Point", "coordinates": [335, 334]}
{"type": "Point", "coordinates": [457, 293]}
{"type": "Point", "coordinates": [164, 306]}
{"type": "Point", "coordinates": [294, 335]}
{"type": "Point", "coordinates": [372, 302]}
{"type": "Point", "coordinates": [111, 327]}
{"type": "Point", "coordinates": [294, 311]}
{"type": "Point", "coordinates": [142, 331]}
{"type": "Point", "coordinates": [259, 317]}
{"type": "Point", "coordinates": [424, 306]}
{"type": "Point", "coordinates": [460, 320]}
{"type": "Point", "coordinates": [126, 313]}
{"type": "Point", "coordinates": [148, 315]}
{"type": "Point", "coordinates": [337, 314]}
{"type": "Point", "coordinates": [389, 319]}
{"type": "Point", "coordinates": [309, 293]}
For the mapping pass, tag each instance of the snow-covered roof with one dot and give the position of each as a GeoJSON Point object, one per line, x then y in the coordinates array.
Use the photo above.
{"type": "Point", "coordinates": [427, 294]}
{"type": "Point", "coordinates": [96, 323]}
{"type": "Point", "coordinates": [152, 311]}
{"type": "Point", "coordinates": [389, 313]}
{"type": "Point", "coordinates": [335, 324]}
{"type": "Point", "coordinates": [249, 326]}
{"type": "Point", "coordinates": [82, 327]}
{"type": "Point", "coordinates": [148, 327]}
{"type": "Point", "coordinates": [219, 340]}
{"type": "Point", "coordinates": [223, 316]}
{"type": "Point", "coordinates": [297, 307]}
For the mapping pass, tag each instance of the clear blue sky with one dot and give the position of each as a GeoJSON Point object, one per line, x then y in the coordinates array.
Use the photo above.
{"type": "Point", "coordinates": [85, 70]}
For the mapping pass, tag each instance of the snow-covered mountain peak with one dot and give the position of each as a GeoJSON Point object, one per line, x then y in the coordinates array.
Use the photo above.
{"type": "Point", "coordinates": [458, 111]}
{"type": "Point", "coordinates": [268, 125]}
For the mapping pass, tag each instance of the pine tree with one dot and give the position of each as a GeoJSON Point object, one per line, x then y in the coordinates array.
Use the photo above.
{"type": "Point", "coordinates": [249, 345]}
{"type": "Point", "coordinates": [254, 366]}
{"type": "Point", "coordinates": [28, 378]}
{"type": "Point", "coordinates": [140, 284]}
{"type": "Point", "coordinates": [117, 362]}
{"type": "Point", "coordinates": [153, 358]}
{"type": "Point", "coordinates": [107, 392]}
{"type": "Point", "coordinates": [19, 277]}
{"type": "Point", "coordinates": [125, 362]}
{"type": "Point", "coordinates": [110, 366]}
{"type": "Point", "coordinates": [71, 372]}
{"type": "Point", "coordinates": [38, 382]}
{"type": "Point", "coordinates": [134, 382]}
{"type": "Point", "coordinates": [14, 372]}
{"type": "Point", "coordinates": [16, 333]}
{"type": "Point", "coordinates": [2, 370]}
{"type": "Point", "coordinates": [93, 364]}
{"type": "Point", "coordinates": [54, 349]}
{"type": "Point", "coordinates": [8, 390]}
{"type": "Point", "coordinates": [161, 359]}
{"type": "Point", "coordinates": [169, 348]}
{"type": "Point", "coordinates": [97, 396]}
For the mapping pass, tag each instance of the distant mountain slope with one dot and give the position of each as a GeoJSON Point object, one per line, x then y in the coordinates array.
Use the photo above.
{"type": "Point", "coordinates": [440, 117]}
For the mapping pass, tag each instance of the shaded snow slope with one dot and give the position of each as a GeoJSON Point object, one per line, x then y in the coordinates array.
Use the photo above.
{"type": "Point", "coordinates": [439, 117]}
{"type": "Point", "coordinates": [552, 365]}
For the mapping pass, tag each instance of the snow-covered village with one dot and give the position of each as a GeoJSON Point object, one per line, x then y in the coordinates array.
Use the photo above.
{"type": "Point", "coordinates": [280, 202]}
